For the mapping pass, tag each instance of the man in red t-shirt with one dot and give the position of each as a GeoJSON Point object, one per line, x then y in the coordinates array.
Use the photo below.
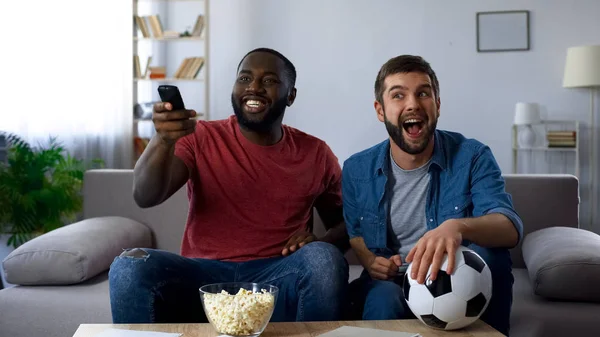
{"type": "Point", "coordinates": [252, 185]}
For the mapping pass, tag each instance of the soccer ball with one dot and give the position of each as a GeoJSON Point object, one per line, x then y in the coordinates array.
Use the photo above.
{"type": "Point", "coordinates": [451, 301]}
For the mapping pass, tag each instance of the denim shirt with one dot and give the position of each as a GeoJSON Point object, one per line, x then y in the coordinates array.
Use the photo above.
{"type": "Point", "coordinates": [465, 181]}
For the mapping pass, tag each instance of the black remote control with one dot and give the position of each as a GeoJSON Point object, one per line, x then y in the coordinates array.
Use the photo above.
{"type": "Point", "coordinates": [171, 94]}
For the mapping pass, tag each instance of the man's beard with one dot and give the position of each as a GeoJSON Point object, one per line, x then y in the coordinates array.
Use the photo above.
{"type": "Point", "coordinates": [397, 136]}
{"type": "Point", "coordinates": [263, 125]}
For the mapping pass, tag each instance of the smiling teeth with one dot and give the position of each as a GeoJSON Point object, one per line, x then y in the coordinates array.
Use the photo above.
{"type": "Point", "coordinates": [413, 120]}
{"type": "Point", "coordinates": [253, 103]}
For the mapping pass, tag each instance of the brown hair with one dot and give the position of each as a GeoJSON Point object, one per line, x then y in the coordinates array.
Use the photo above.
{"type": "Point", "coordinates": [404, 64]}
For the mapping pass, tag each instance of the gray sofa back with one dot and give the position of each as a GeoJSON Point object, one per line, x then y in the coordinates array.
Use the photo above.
{"type": "Point", "coordinates": [541, 201]}
{"type": "Point", "coordinates": [110, 192]}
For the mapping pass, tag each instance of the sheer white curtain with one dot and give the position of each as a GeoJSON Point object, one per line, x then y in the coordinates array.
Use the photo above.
{"type": "Point", "coordinates": [66, 71]}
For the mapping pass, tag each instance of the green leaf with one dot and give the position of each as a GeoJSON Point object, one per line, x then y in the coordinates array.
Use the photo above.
{"type": "Point", "coordinates": [40, 188]}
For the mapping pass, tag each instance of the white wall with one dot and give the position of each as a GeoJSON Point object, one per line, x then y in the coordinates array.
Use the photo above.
{"type": "Point", "coordinates": [68, 75]}
{"type": "Point", "coordinates": [339, 45]}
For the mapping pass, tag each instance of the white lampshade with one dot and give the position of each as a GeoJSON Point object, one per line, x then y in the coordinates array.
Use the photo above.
{"type": "Point", "coordinates": [527, 113]}
{"type": "Point", "coordinates": [582, 67]}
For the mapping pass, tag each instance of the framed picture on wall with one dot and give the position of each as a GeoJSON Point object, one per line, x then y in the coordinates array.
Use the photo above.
{"type": "Point", "coordinates": [503, 31]}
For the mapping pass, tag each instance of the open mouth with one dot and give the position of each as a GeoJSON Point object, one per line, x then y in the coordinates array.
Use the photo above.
{"type": "Point", "coordinates": [413, 127]}
{"type": "Point", "coordinates": [254, 104]}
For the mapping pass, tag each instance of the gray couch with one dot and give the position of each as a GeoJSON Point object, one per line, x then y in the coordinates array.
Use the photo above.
{"type": "Point", "coordinates": [543, 201]}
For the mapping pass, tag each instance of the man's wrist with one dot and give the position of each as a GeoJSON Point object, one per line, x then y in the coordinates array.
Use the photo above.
{"type": "Point", "coordinates": [367, 259]}
{"type": "Point", "coordinates": [462, 227]}
{"type": "Point", "coordinates": [163, 143]}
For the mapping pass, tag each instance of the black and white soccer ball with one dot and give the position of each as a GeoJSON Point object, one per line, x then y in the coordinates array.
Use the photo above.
{"type": "Point", "coordinates": [451, 301]}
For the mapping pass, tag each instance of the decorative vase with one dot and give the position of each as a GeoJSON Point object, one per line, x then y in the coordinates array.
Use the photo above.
{"type": "Point", "coordinates": [527, 137]}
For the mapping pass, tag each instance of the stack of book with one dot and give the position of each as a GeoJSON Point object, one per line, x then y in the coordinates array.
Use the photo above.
{"type": "Point", "coordinates": [159, 72]}
{"type": "Point", "coordinates": [189, 68]}
{"type": "Point", "coordinates": [151, 26]}
{"type": "Point", "coordinates": [562, 138]}
{"type": "Point", "coordinates": [142, 23]}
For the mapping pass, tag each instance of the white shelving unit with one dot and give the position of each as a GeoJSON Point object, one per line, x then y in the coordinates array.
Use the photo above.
{"type": "Point", "coordinates": [554, 158]}
{"type": "Point", "coordinates": [168, 49]}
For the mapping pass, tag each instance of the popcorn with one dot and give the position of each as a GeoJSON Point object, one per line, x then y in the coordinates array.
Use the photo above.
{"type": "Point", "coordinates": [244, 313]}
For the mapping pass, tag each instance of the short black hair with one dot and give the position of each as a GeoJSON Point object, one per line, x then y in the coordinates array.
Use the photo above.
{"type": "Point", "coordinates": [404, 64]}
{"type": "Point", "coordinates": [289, 66]}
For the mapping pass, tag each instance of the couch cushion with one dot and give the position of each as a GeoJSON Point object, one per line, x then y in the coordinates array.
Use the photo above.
{"type": "Point", "coordinates": [564, 263]}
{"type": "Point", "coordinates": [54, 311]}
{"type": "Point", "coordinates": [74, 253]}
{"type": "Point", "coordinates": [535, 316]}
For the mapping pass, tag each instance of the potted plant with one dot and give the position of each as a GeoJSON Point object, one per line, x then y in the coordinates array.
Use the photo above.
{"type": "Point", "coordinates": [40, 189]}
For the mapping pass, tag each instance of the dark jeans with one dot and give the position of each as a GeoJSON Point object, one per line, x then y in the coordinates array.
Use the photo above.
{"type": "Point", "coordinates": [384, 300]}
{"type": "Point", "coordinates": [153, 286]}
{"type": "Point", "coordinates": [377, 299]}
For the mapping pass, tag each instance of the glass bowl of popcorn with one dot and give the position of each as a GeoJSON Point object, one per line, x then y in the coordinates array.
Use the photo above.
{"type": "Point", "coordinates": [238, 308]}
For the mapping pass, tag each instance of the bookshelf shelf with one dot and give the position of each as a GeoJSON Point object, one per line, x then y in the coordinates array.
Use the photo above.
{"type": "Point", "coordinates": [556, 147]}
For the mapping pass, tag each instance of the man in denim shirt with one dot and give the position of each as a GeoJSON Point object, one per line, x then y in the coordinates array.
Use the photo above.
{"type": "Point", "coordinates": [420, 194]}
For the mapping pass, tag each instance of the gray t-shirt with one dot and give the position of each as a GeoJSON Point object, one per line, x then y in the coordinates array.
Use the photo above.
{"type": "Point", "coordinates": [407, 190]}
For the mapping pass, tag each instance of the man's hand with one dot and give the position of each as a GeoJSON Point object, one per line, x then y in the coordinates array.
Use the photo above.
{"type": "Point", "coordinates": [381, 268]}
{"type": "Point", "coordinates": [172, 125]}
{"type": "Point", "coordinates": [430, 250]}
{"type": "Point", "coordinates": [298, 241]}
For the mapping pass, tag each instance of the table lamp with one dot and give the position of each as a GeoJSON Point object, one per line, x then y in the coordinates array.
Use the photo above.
{"type": "Point", "coordinates": [527, 114]}
{"type": "Point", "coordinates": [582, 70]}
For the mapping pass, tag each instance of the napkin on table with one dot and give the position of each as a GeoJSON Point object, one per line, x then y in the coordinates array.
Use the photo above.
{"type": "Point", "coordinates": [352, 331]}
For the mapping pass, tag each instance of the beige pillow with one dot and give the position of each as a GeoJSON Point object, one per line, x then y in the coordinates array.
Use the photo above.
{"type": "Point", "coordinates": [74, 253]}
{"type": "Point", "coordinates": [563, 263]}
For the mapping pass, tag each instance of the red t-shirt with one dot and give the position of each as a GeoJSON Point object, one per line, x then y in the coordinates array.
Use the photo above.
{"type": "Point", "coordinates": [247, 200]}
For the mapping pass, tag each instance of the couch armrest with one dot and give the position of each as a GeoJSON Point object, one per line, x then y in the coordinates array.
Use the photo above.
{"type": "Point", "coordinates": [74, 253]}
{"type": "Point", "coordinates": [563, 263]}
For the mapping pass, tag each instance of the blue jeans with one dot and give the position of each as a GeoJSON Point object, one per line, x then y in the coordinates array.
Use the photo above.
{"type": "Point", "coordinates": [153, 286]}
{"type": "Point", "coordinates": [378, 299]}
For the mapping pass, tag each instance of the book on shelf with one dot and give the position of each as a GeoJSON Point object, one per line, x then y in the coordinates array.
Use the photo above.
{"type": "Point", "coordinates": [189, 68]}
{"type": "Point", "coordinates": [156, 26]}
{"type": "Point", "coordinates": [152, 21]}
{"type": "Point", "coordinates": [171, 34]}
{"type": "Point", "coordinates": [151, 26]}
{"type": "Point", "coordinates": [157, 73]}
{"type": "Point", "coordinates": [561, 138]}
{"type": "Point", "coordinates": [138, 67]}
{"type": "Point", "coordinates": [198, 26]}
{"type": "Point", "coordinates": [142, 26]}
